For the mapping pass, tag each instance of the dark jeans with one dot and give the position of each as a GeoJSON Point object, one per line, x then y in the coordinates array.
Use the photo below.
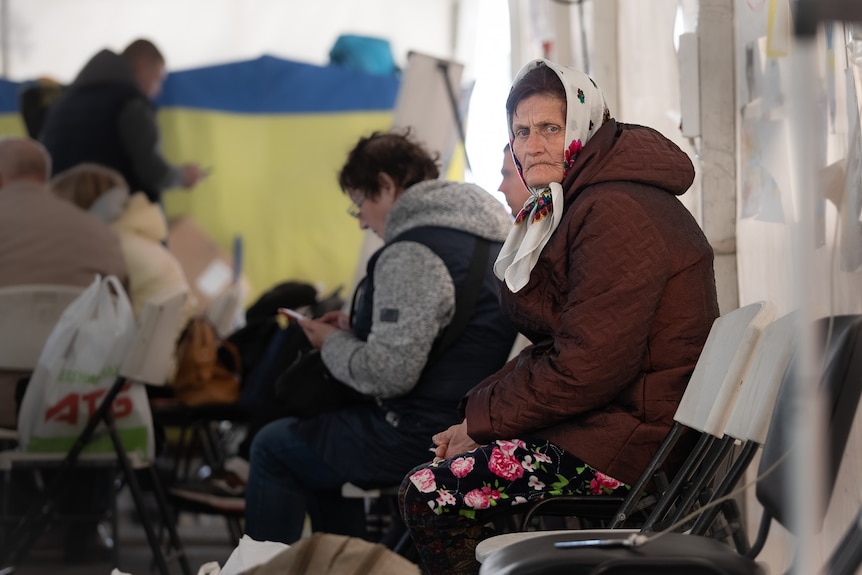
{"type": "Point", "coordinates": [287, 480]}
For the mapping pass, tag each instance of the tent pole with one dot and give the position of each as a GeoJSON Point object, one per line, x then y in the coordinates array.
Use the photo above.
{"type": "Point", "coordinates": [4, 33]}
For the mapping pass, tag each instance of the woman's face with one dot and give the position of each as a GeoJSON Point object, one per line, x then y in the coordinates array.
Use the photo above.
{"type": "Point", "coordinates": [372, 212]}
{"type": "Point", "coordinates": [539, 127]}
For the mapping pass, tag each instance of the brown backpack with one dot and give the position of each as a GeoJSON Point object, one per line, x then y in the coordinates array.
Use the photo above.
{"type": "Point", "coordinates": [207, 367]}
{"type": "Point", "coordinates": [328, 554]}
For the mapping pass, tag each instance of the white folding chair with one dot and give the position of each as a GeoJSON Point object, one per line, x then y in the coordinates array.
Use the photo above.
{"type": "Point", "coordinates": [225, 312]}
{"type": "Point", "coordinates": [748, 421]}
{"type": "Point", "coordinates": [841, 388]}
{"type": "Point", "coordinates": [147, 362]}
{"type": "Point", "coordinates": [704, 408]}
{"type": "Point", "coordinates": [28, 313]}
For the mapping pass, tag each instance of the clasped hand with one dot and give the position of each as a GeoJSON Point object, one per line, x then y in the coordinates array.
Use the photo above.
{"type": "Point", "coordinates": [454, 441]}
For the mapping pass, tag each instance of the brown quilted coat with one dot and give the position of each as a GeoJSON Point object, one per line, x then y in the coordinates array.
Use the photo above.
{"type": "Point", "coordinates": [618, 306]}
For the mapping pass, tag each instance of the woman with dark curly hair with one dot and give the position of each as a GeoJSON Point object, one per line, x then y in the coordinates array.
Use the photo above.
{"type": "Point", "coordinates": [389, 349]}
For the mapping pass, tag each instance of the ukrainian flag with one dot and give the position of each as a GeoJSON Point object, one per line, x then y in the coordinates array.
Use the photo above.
{"type": "Point", "coordinates": [275, 133]}
{"type": "Point", "coordinates": [11, 122]}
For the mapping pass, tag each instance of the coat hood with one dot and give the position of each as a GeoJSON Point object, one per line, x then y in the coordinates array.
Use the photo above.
{"type": "Point", "coordinates": [461, 206]}
{"type": "Point", "coordinates": [630, 153]}
{"type": "Point", "coordinates": [106, 67]}
{"type": "Point", "coordinates": [142, 218]}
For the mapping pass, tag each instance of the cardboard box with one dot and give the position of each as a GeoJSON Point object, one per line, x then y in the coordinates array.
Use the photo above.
{"type": "Point", "coordinates": [208, 267]}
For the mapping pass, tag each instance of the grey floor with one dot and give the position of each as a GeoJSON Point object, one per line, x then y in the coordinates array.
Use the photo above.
{"type": "Point", "coordinates": [204, 537]}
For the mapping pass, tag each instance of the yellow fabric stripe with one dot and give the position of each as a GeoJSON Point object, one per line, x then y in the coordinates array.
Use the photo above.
{"type": "Point", "coordinates": [12, 125]}
{"type": "Point", "coordinates": [274, 183]}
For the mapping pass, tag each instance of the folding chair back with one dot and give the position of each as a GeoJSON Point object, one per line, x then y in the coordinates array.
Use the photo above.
{"type": "Point", "coordinates": [28, 313]}
{"type": "Point", "coordinates": [717, 378]}
{"type": "Point", "coordinates": [752, 411]}
{"type": "Point", "coordinates": [149, 358]}
{"type": "Point", "coordinates": [704, 407]}
{"type": "Point", "coordinates": [667, 553]}
{"type": "Point", "coordinates": [749, 419]}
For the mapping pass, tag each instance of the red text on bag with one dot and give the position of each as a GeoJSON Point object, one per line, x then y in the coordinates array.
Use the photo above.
{"type": "Point", "coordinates": [69, 408]}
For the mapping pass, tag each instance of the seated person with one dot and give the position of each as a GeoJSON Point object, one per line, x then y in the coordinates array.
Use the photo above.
{"type": "Point", "coordinates": [44, 240]}
{"type": "Point", "coordinates": [512, 186]}
{"type": "Point", "coordinates": [516, 194]}
{"type": "Point", "coordinates": [429, 228]}
{"type": "Point", "coordinates": [141, 227]}
{"type": "Point", "coordinates": [611, 278]}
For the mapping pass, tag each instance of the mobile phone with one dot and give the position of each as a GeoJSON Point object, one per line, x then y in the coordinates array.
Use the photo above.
{"type": "Point", "coordinates": [291, 313]}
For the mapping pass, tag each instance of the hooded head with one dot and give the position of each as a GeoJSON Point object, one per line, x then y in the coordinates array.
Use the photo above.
{"type": "Point", "coordinates": [148, 66]}
{"type": "Point", "coordinates": [95, 188]}
{"type": "Point", "coordinates": [552, 113]}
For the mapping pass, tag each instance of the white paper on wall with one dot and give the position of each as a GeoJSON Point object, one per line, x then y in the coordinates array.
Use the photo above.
{"type": "Point", "coordinates": [851, 207]}
{"type": "Point", "coordinates": [766, 186]}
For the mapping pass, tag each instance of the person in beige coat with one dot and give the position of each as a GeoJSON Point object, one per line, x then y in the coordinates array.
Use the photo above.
{"type": "Point", "coordinates": [142, 228]}
{"type": "Point", "coordinates": [140, 224]}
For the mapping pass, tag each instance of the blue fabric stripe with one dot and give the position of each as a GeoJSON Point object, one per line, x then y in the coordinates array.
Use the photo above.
{"type": "Point", "coordinates": [270, 85]}
{"type": "Point", "coordinates": [9, 96]}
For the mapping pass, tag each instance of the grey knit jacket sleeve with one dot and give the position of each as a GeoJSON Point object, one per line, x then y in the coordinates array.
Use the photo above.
{"type": "Point", "coordinates": [413, 281]}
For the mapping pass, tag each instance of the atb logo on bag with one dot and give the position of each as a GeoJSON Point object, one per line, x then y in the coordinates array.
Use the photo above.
{"type": "Point", "coordinates": [78, 365]}
{"type": "Point", "coordinates": [69, 408]}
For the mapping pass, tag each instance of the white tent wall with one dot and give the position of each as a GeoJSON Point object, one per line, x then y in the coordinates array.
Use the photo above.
{"type": "Point", "coordinates": [767, 255]}
{"type": "Point", "coordinates": [649, 93]}
{"type": "Point", "coordinates": [631, 53]}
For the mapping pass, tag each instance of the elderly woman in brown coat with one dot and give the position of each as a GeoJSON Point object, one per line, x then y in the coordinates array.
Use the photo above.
{"type": "Point", "coordinates": [611, 278]}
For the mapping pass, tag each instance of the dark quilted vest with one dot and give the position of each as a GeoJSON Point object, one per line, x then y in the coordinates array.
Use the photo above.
{"type": "Point", "coordinates": [480, 351]}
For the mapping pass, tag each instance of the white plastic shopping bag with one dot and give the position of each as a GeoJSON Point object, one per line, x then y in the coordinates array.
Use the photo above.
{"type": "Point", "coordinates": [79, 363]}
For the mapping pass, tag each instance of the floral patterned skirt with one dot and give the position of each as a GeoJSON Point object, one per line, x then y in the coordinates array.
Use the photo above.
{"type": "Point", "coordinates": [448, 505]}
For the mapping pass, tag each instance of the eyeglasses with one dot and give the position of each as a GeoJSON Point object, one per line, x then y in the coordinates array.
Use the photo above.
{"type": "Point", "coordinates": [353, 211]}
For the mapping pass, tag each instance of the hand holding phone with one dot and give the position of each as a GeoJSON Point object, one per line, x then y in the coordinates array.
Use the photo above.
{"type": "Point", "coordinates": [291, 313]}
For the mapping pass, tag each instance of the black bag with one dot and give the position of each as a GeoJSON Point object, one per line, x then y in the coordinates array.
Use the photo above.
{"type": "Point", "coordinates": [307, 388]}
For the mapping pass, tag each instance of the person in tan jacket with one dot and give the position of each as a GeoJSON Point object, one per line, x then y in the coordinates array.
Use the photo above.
{"type": "Point", "coordinates": [43, 239]}
{"type": "Point", "coordinates": [611, 279]}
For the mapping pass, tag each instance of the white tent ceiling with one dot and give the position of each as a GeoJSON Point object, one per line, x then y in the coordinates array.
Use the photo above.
{"type": "Point", "coordinates": [54, 37]}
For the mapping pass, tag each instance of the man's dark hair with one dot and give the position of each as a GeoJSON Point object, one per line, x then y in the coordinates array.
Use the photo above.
{"type": "Point", "coordinates": [144, 51]}
{"type": "Point", "coordinates": [394, 153]}
{"type": "Point", "coordinates": [538, 81]}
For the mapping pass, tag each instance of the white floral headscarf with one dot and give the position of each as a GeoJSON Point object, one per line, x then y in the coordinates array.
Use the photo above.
{"type": "Point", "coordinates": [586, 111]}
